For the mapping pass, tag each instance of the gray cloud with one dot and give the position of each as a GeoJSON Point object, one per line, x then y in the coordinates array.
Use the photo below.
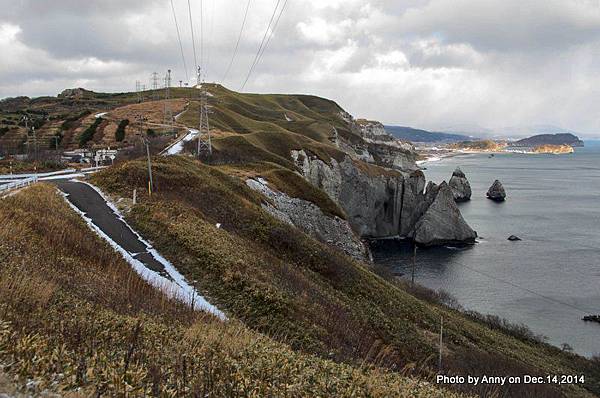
{"type": "Point", "coordinates": [427, 63]}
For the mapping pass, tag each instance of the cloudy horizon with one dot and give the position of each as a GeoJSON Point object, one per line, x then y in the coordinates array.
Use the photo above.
{"type": "Point", "coordinates": [433, 64]}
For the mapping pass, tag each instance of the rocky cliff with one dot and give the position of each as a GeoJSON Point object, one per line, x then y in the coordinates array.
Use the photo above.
{"type": "Point", "coordinates": [380, 147]}
{"type": "Point", "coordinates": [309, 218]}
{"type": "Point", "coordinates": [384, 203]}
{"type": "Point", "coordinates": [461, 189]}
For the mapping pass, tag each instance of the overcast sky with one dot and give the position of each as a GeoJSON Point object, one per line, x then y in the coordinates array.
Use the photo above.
{"type": "Point", "coordinates": [423, 63]}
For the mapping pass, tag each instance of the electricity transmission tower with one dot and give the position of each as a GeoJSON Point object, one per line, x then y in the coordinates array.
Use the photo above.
{"type": "Point", "coordinates": [168, 111]}
{"type": "Point", "coordinates": [204, 139]}
{"type": "Point", "coordinates": [138, 90]}
{"type": "Point", "coordinates": [154, 81]}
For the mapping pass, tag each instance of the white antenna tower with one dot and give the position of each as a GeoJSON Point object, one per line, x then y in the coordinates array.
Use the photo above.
{"type": "Point", "coordinates": [204, 139]}
{"type": "Point", "coordinates": [168, 111]}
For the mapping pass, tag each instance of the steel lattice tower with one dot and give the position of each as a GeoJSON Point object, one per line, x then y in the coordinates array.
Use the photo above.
{"type": "Point", "coordinates": [204, 138]}
{"type": "Point", "coordinates": [168, 111]}
{"type": "Point", "coordinates": [154, 80]}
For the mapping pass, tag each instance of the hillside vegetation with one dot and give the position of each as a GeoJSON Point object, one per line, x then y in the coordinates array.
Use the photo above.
{"type": "Point", "coordinates": [282, 283]}
{"type": "Point", "coordinates": [306, 320]}
{"type": "Point", "coordinates": [76, 319]}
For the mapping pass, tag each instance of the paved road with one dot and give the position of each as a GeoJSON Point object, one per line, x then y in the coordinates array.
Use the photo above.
{"type": "Point", "coordinates": [90, 202]}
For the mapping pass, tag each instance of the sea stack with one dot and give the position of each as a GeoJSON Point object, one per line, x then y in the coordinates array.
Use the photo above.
{"type": "Point", "coordinates": [461, 189]}
{"type": "Point", "coordinates": [442, 222]}
{"type": "Point", "coordinates": [496, 192]}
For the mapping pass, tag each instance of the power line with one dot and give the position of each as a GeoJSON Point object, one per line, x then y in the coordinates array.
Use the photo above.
{"type": "Point", "coordinates": [201, 35]}
{"type": "Point", "coordinates": [193, 39]}
{"type": "Point", "coordinates": [210, 36]}
{"type": "Point", "coordinates": [525, 289]}
{"type": "Point", "coordinates": [180, 43]}
{"type": "Point", "coordinates": [272, 31]}
{"type": "Point", "coordinates": [262, 43]}
{"type": "Point", "coordinates": [237, 44]}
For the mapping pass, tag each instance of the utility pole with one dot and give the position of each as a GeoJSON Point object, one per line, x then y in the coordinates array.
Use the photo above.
{"type": "Point", "coordinates": [25, 119]}
{"type": "Point", "coordinates": [147, 144]}
{"type": "Point", "coordinates": [56, 148]}
{"type": "Point", "coordinates": [204, 145]}
{"type": "Point", "coordinates": [441, 343]}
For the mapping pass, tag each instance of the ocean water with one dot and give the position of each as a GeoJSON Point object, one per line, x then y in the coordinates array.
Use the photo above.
{"type": "Point", "coordinates": [551, 278]}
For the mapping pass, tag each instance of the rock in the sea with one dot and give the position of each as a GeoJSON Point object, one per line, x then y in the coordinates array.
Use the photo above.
{"type": "Point", "coordinates": [496, 192]}
{"type": "Point", "coordinates": [514, 238]}
{"type": "Point", "coordinates": [461, 189]}
{"type": "Point", "coordinates": [442, 222]}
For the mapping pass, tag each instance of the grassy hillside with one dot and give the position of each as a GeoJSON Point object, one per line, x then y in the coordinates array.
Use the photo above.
{"type": "Point", "coordinates": [282, 283]}
{"type": "Point", "coordinates": [299, 118]}
{"type": "Point", "coordinates": [76, 320]}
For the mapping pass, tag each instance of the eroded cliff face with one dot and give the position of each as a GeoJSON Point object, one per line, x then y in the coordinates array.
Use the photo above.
{"type": "Point", "coordinates": [380, 147]}
{"type": "Point", "coordinates": [385, 203]}
{"type": "Point", "coordinates": [309, 218]}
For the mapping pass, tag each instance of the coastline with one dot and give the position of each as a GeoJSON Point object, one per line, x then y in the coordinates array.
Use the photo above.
{"type": "Point", "coordinates": [431, 156]}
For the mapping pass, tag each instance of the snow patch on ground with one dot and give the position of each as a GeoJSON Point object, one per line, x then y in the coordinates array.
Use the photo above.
{"type": "Point", "coordinates": [177, 287]}
{"type": "Point", "coordinates": [287, 118]}
{"type": "Point", "coordinates": [99, 115]}
{"type": "Point", "coordinates": [178, 146]}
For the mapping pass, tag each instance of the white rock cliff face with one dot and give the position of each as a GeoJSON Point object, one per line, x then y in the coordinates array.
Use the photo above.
{"type": "Point", "coordinates": [309, 218]}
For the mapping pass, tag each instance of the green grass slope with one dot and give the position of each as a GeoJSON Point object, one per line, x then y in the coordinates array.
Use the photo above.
{"type": "Point", "coordinates": [76, 320]}
{"type": "Point", "coordinates": [282, 283]}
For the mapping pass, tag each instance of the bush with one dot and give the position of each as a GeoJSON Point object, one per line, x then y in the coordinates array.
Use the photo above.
{"type": "Point", "coordinates": [88, 134]}
{"type": "Point", "coordinates": [519, 331]}
{"type": "Point", "coordinates": [120, 133]}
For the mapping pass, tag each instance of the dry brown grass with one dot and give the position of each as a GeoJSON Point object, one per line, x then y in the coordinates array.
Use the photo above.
{"type": "Point", "coordinates": [75, 319]}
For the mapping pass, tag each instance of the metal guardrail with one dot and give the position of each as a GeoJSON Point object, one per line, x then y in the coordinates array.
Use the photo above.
{"type": "Point", "coordinates": [18, 184]}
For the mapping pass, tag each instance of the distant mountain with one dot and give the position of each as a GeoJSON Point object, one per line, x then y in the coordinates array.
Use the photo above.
{"type": "Point", "coordinates": [527, 131]}
{"type": "Point", "coordinates": [417, 135]}
{"type": "Point", "coordinates": [550, 139]}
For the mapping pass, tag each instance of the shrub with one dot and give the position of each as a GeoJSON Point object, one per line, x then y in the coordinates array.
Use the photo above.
{"type": "Point", "coordinates": [120, 133]}
{"type": "Point", "coordinates": [88, 134]}
{"type": "Point", "coordinates": [520, 331]}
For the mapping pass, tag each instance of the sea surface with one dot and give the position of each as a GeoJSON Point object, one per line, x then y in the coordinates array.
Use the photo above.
{"type": "Point", "coordinates": [551, 278]}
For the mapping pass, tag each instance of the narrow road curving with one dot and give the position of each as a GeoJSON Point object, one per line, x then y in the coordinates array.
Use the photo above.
{"type": "Point", "coordinates": [106, 221]}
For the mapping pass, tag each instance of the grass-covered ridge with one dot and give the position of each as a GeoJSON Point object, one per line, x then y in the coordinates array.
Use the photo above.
{"type": "Point", "coordinates": [282, 283]}
{"type": "Point", "coordinates": [76, 320]}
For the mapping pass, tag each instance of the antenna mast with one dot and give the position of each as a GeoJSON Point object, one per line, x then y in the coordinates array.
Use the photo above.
{"type": "Point", "coordinates": [204, 139]}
